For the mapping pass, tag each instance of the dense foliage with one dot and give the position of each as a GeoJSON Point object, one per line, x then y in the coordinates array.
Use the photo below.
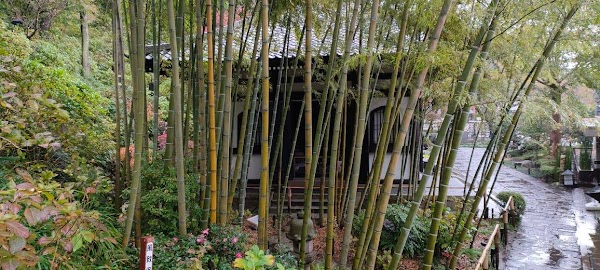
{"type": "Point", "coordinates": [518, 200]}
{"type": "Point", "coordinates": [395, 216]}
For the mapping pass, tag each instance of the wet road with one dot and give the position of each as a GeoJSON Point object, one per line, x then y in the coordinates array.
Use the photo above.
{"type": "Point", "coordinates": [555, 229]}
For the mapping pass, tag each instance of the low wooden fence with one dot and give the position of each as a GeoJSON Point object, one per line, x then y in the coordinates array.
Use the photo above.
{"type": "Point", "coordinates": [491, 256]}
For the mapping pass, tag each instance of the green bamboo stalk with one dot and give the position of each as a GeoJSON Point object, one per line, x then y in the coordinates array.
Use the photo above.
{"type": "Point", "coordinates": [507, 135]}
{"type": "Point", "coordinates": [190, 79]}
{"type": "Point", "coordinates": [455, 144]}
{"type": "Point", "coordinates": [333, 167]}
{"type": "Point", "coordinates": [223, 203]}
{"type": "Point", "coordinates": [179, 159]}
{"type": "Point", "coordinates": [383, 140]}
{"type": "Point", "coordinates": [362, 119]}
{"type": "Point", "coordinates": [198, 91]}
{"type": "Point", "coordinates": [241, 139]}
{"type": "Point", "coordinates": [242, 145]}
{"type": "Point", "coordinates": [399, 141]}
{"type": "Point", "coordinates": [308, 139]}
{"type": "Point", "coordinates": [220, 77]}
{"type": "Point", "coordinates": [274, 151]}
{"type": "Point", "coordinates": [126, 126]}
{"type": "Point", "coordinates": [264, 175]}
{"type": "Point", "coordinates": [136, 45]}
{"type": "Point", "coordinates": [287, 97]}
{"type": "Point", "coordinates": [200, 129]}
{"type": "Point", "coordinates": [117, 52]}
{"type": "Point", "coordinates": [156, 76]}
{"type": "Point", "coordinates": [249, 145]}
{"type": "Point", "coordinates": [335, 142]}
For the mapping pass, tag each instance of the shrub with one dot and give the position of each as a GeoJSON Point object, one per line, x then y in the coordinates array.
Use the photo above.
{"type": "Point", "coordinates": [179, 253]}
{"type": "Point", "coordinates": [256, 259]}
{"type": "Point", "coordinates": [585, 161]}
{"type": "Point", "coordinates": [518, 199]}
{"type": "Point", "coordinates": [159, 199]}
{"type": "Point", "coordinates": [395, 217]}
{"type": "Point", "coordinates": [227, 243]}
{"type": "Point", "coordinates": [45, 225]}
{"type": "Point", "coordinates": [568, 158]}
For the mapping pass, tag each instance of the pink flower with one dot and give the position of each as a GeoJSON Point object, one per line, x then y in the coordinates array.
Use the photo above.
{"type": "Point", "coordinates": [205, 232]}
{"type": "Point", "coordinates": [175, 239]}
{"type": "Point", "coordinates": [234, 240]}
{"type": "Point", "coordinates": [238, 255]}
{"type": "Point", "coordinates": [200, 240]}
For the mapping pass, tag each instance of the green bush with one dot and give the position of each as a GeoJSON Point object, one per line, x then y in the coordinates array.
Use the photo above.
{"type": "Point", "coordinates": [178, 253]}
{"type": "Point", "coordinates": [568, 158]}
{"type": "Point", "coordinates": [227, 244]}
{"type": "Point", "coordinates": [518, 199]}
{"type": "Point", "coordinates": [395, 217]}
{"type": "Point", "coordinates": [48, 225]}
{"type": "Point", "coordinates": [585, 161]}
{"type": "Point", "coordinates": [159, 199]}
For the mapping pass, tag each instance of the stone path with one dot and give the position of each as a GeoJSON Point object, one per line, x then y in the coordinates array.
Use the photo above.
{"type": "Point", "coordinates": [547, 236]}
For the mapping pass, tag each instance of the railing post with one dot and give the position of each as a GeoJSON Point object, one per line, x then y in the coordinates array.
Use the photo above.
{"type": "Point", "coordinates": [496, 252]}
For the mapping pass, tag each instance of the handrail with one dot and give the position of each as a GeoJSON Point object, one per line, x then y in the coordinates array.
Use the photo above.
{"type": "Point", "coordinates": [484, 255]}
{"type": "Point", "coordinates": [497, 235]}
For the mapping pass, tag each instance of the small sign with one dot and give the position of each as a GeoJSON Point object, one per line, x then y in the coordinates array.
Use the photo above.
{"type": "Point", "coordinates": [146, 252]}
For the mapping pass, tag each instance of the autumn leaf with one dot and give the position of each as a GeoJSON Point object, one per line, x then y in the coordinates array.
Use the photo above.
{"type": "Point", "coordinates": [44, 241]}
{"type": "Point", "coordinates": [10, 264]}
{"type": "Point", "coordinates": [24, 174]}
{"type": "Point", "coordinates": [17, 228]}
{"type": "Point", "coordinates": [16, 244]}
{"type": "Point", "coordinates": [25, 186]}
{"type": "Point", "coordinates": [33, 215]}
{"type": "Point", "coordinates": [9, 95]}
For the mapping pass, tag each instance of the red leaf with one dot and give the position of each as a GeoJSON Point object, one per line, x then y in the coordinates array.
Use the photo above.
{"type": "Point", "coordinates": [9, 95]}
{"type": "Point", "coordinates": [10, 264]}
{"type": "Point", "coordinates": [90, 190]}
{"type": "Point", "coordinates": [32, 215]}
{"type": "Point", "coordinates": [17, 228]}
{"type": "Point", "coordinates": [25, 186]}
{"type": "Point", "coordinates": [24, 174]}
{"type": "Point", "coordinates": [68, 246]}
{"type": "Point", "coordinates": [36, 198]}
{"type": "Point", "coordinates": [44, 241]}
{"type": "Point", "coordinates": [13, 207]}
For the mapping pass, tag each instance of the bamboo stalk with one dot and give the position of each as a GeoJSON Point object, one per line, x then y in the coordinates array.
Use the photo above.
{"type": "Point", "coordinates": [136, 46]}
{"type": "Point", "coordinates": [383, 140]}
{"type": "Point", "coordinates": [455, 144]}
{"type": "Point", "coordinates": [117, 52]}
{"type": "Point", "coordinates": [264, 175]}
{"type": "Point", "coordinates": [399, 142]}
{"type": "Point", "coordinates": [212, 139]}
{"type": "Point", "coordinates": [362, 119]}
{"type": "Point", "coordinates": [225, 165]}
{"type": "Point", "coordinates": [502, 147]}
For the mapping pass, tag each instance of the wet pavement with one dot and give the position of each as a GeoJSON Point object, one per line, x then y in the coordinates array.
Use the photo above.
{"type": "Point", "coordinates": [556, 231]}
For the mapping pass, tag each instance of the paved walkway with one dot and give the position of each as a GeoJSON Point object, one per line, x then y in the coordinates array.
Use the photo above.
{"type": "Point", "coordinates": [547, 237]}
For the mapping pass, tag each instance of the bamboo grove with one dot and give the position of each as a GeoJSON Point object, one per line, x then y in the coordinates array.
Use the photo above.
{"type": "Point", "coordinates": [258, 89]}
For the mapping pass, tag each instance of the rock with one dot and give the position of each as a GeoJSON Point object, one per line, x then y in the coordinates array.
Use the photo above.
{"type": "Point", "coordinates": [527, 164]}
{"type": "Point", "coordinates": [253, 222]}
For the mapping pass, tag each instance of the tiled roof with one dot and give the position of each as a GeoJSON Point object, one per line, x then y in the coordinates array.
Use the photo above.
{"type": "Point", "coordinates": [321, 46]}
